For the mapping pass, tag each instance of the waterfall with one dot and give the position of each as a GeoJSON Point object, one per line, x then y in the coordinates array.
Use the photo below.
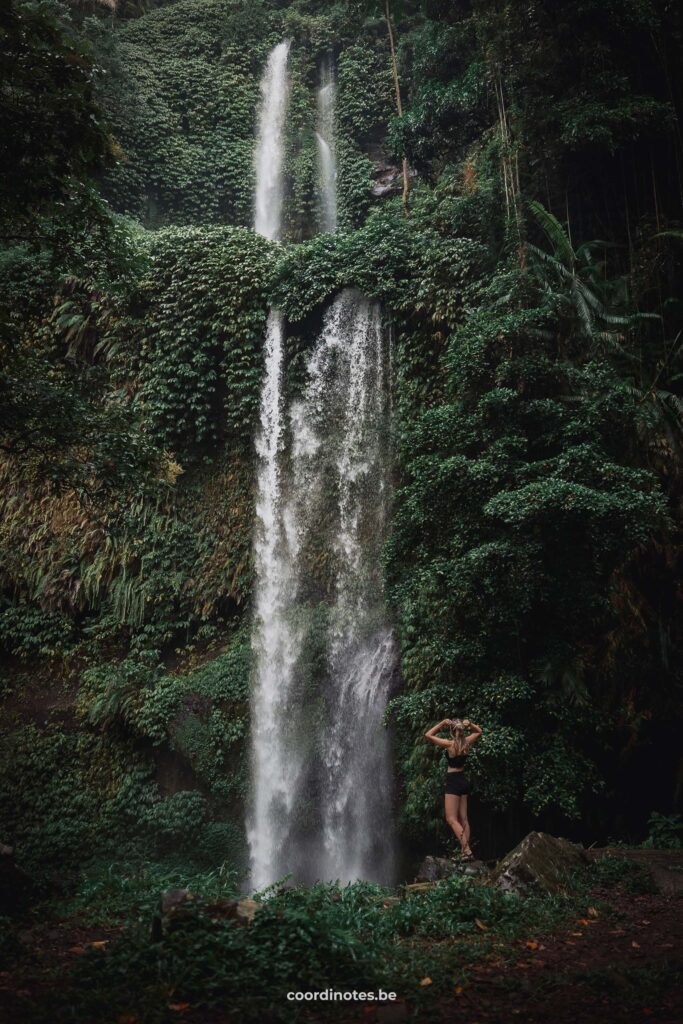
{"type": "Point", "coordinates": [320, 799]}
{"type": "Point", "coordinates": [269, 149]}
{"type": "Point", "coordinates": [325, 650]}
{"type": "Point", "coordinates": [327, 166]}
{"type": "Point", "coordinates": [276, 757]}
{"type": "Point", "coordinates": [341, 458]}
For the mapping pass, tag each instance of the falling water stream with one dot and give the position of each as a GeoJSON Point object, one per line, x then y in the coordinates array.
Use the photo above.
{"type": "Point", "coordinates": [320, 803]}
{"type": "Point", "coordinates": [327, 165]}
{"type": "Point", "coordinates": [269, 150]}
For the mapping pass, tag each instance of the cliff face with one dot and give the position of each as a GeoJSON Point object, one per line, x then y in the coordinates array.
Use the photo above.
{"type": "Point", "coordinates": [533, 565]}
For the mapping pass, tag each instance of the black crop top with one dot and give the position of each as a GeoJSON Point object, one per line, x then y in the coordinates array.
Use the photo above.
{"type": "Point", "coordinates": [456, 762]}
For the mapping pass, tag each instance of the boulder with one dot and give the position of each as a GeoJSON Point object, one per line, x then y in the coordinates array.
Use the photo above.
{"type": "Point", "coordinates": [173, 899]}
{"type": "Point", "coordinates": [177, 910]}
{"type": "Point", "coordinates": [540, 863]}
{"type": "Point", "coordinates": [242, 911]}
{"type": "Point", "coordinates": [433, 869]}
{"type": "Point", "coordinates": [388, 179]}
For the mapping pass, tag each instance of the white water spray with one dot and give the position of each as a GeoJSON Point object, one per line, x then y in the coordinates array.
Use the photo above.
{"type": "Point", "coordinates": [269, 148]}
{"type": "Point", "coordinates": [341, 455]}
{"type": "Point", "coordinates": [276, 756]}
{"type": "Point", "coordinates": [326, 655]}
{"type": "Point", "coordinates": [327, 164]}
{"type": "Point", "coordinates": [273, 642]}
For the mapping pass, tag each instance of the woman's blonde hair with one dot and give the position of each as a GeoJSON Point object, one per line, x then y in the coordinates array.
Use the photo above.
{"type": "Point", "coordinates": [458, 737]}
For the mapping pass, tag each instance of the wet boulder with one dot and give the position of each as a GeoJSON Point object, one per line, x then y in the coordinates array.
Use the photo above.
{"type": "Point", "coordinates": [173, 899]}
{"type": "Point", "coordinates": [540, 863]}
{"type": "Point", "coordinates": [433, 869]}
{"type": "Point", "coordinates": [179, 908]}
{"type": "Point", "coordinates": [242, 911]}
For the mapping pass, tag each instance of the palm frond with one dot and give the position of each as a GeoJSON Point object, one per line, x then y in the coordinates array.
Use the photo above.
{"type": "Point", "coordinates": [564, 251]}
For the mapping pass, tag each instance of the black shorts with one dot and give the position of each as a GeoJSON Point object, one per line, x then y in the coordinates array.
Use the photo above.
{"type": "Point", "coordinates": [457, 784]}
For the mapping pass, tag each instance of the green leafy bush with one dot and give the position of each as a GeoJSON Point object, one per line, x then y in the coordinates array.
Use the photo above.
{"type": "Point", "coordinates": [665, 832]}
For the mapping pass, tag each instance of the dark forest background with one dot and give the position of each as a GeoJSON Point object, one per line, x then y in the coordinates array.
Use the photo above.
{"type": "Point", "coordinates": [531, 273]}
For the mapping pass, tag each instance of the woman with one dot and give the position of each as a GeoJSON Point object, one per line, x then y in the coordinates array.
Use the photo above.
{"type": "Point", "coordinates": [458, 786]}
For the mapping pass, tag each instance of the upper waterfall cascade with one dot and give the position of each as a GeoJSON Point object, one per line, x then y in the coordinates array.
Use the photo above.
{"type": "Point", "coordinates": [327, 164]}
{"type": "Point", "coordinates": [320, 801]}
{"type": "Point", "coordinates": [270, 145]}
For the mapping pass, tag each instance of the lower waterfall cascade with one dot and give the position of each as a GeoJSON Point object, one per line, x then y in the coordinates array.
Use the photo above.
{"type": "Point", "coordinates": [321, 780]}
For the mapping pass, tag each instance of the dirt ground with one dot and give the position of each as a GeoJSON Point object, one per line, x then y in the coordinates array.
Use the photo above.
{"type": "Point", "coordinates": [621, 967]}
{"type": "Point", "coordinates": [596, 971]}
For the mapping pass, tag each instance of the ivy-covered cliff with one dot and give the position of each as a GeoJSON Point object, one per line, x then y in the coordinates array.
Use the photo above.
{"type": "Point", "coordinates": [532, 279]}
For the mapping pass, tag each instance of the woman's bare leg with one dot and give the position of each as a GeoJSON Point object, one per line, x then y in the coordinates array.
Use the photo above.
{"type": "Point", "coordinates": [453, 815]}
{"type": "Point", "coordinates": [465, 825]}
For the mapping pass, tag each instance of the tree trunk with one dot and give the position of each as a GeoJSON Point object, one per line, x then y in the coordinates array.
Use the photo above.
{"type": "Point", "coordinates": [399, 105]}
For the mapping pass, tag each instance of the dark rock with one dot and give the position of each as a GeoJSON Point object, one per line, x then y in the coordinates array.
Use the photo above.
{"type": "Point", "coordinates": [388, 179]}
{"type": "Point", "coordinates": [178, 911]}
{"type": "Point", "coordinates": [173, 899]}
{"type": "Point", "coordinates": [540, 863]}
{"type": "Point", "coordinates": [242, 911]}
{"type": "Point", "coordinates": [432, 869]}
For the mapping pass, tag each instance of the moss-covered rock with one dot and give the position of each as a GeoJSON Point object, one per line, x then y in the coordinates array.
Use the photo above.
{"type": "Point", "coordinates": [541, 862]}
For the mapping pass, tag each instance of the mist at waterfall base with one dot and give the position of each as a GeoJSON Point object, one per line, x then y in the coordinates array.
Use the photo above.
{"type": "Point", "coordinates": [321, 785]}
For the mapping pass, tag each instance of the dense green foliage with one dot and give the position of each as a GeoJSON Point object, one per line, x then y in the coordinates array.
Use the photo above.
{"type": "Point", "coordinates": [303, 939]}
{"type": "Point", "coordinates": [533, 291]}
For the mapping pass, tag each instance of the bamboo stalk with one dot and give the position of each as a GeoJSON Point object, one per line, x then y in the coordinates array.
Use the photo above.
{"type": "Point", "coordinates": [399, 105]}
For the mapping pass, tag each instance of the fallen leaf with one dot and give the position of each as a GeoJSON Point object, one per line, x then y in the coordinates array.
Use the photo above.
{"type": "Point", "coordinates": [426, 981]}
{"type": "Point", "coordinates": [100, 944]}
{"type": "Point", "coordinates": [480, 924]}
{"type": "Point", "coordinates": [458, 989]}
{"type": "Point", "coordinates": [78, 950]}
{"type": "Point", "coordinates": [584, 921]}
{"type": "Point", "coordinates": [532, 945]}
{"type": "Point", "coordinates": [179, 1007]}
{"type": "Point", "coordinates": [644, 922]}
{"type": "Point", "coordinates": [592, 912]}
{"type": "Point", "coordinates": [636, 945]}
{"type": "Point", "coordinates": [577, 933]}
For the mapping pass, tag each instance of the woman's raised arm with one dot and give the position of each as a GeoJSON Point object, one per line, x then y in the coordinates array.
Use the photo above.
{"type": "Point", "coordinates": [433, 738]}
{"type": "Point", "coordinates": [473, 736]}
